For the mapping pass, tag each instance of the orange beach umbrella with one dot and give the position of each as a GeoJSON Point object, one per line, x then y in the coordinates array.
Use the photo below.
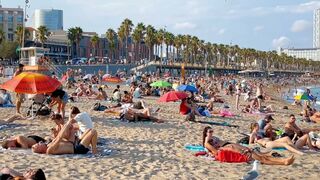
{"type": "Point", "coordinates": [31, 83]}
{"type": "Point", "coordinates": [112, 80]}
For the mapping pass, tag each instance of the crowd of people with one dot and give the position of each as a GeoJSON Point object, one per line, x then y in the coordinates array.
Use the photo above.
{"type": "Point", "coordinates": [74, 132]}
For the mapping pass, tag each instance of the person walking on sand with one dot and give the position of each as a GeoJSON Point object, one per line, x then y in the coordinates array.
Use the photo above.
{"type": "Point", "coordinates": [259, 94]}
{"type": "Point", "coordinates": [19, 97]}
{"type": "Point", "coordinates": [238, 94]}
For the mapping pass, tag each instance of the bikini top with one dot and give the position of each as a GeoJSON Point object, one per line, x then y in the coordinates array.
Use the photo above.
{"type": "Point", "coordinates": [215, 142]}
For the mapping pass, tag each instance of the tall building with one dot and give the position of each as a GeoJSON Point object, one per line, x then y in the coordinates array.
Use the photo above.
{"type": "Point", "coordinates": [10, 19]}
{"type": "Point", "coordinates": [308, 53]}
{"type": "Point", "coordinates": [316, 29]}
{"type": "Point", "coordinates": [51, 18]}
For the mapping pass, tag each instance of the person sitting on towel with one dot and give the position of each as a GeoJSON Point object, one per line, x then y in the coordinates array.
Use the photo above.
{"type": "Point", "coordinates": [5, 98]}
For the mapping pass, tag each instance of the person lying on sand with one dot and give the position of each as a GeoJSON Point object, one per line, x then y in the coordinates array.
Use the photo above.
{"type": "Point", "coordinates": [32, 174]}
{"type": "Point", "coordinates": [60, 145]}
{"type": "Point", "coordinates": [13, 118]}
{"type": "Point", "coordinates": [284, 142]}
{"type": "Point", "coordinates": [136, 115]}
{"type": "Point", "coordinates": [21, 142]}
{"type": "Point", "coordinates": [214, 144]}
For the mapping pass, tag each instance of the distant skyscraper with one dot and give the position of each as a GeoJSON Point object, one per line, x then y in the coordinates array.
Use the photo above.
{"type": "Point", "coordinates": [10, 19]}
{"type": "Point", "coordinates": [51, 18]}
{"type": "Point", "coordinates": [316, 29]}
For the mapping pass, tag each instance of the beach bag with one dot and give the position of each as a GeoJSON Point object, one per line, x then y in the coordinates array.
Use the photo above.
{"type": "Point", "coordinates": [244, 140]}
{"type": "Point", "coordinates": [98, 107]}
{"type": "Point", "coordinates": [231, 157]}
{"type": "Point", "coordinates": [44, 111]}
{"type": "Point", "coordinates": [190, 117]}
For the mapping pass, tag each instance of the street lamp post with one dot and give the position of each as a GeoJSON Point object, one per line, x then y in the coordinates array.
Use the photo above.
{"type": "Point", "coordinates": [24, 21]}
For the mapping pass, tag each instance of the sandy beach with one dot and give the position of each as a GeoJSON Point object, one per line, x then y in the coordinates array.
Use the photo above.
{"type": "Point", "coordinates": [146, 150]}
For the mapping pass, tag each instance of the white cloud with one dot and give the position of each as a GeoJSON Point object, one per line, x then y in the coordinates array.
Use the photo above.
{"type": "Point", "coordinates": [258, 28]}
{"type": "Point", "coordinates": [300, 8]}
{"type": "Point", "coordinates": [280, 42]}
{"type": "Point", "coordinates": [306, 7]}
{"type": "Point", "coordinates": [221, 31]}
{"type": "Point", "coordinates": [185, 25]}
{"type": "Point", "coordinates": [300, 25]}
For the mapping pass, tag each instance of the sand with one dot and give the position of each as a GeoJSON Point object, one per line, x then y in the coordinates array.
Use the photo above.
{"type": "Point", "coordinates": [152, 150]}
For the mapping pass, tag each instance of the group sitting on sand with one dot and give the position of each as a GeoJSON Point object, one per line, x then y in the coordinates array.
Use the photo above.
{"type": "Point", "coordinates": [74, 137]}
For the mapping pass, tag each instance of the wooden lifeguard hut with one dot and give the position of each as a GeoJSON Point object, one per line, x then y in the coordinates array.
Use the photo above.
{"type": "Point", "coordinates": [33, 59]}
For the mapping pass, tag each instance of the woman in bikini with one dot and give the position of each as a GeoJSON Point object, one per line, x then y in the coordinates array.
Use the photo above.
{"type": "Point", "coordinates": [214, 144]}
{"type": "Point", "coordinates": [61, 145]}
{"type": "Point", "coordinates": [22, 142]}
{"type": "Point", "coordinates": [284, 142]}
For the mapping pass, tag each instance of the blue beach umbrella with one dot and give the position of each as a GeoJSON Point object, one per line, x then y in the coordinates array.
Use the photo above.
{"type": "Point", "coordinates": [187, 88]}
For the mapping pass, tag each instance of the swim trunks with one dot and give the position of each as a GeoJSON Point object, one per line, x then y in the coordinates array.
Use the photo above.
{"type": "Point", "coordinates": [37, 138]}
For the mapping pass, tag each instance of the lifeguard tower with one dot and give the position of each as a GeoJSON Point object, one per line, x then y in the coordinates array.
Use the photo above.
{"type": "Point", "coordinates": [33, 59]}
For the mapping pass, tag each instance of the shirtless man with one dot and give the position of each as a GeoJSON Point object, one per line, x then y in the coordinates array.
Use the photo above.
{"type": "Point", "coordinates": [259, 94]}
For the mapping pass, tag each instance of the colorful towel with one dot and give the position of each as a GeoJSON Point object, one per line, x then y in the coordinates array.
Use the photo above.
{"type": "Point", "coordinates": [194, 148]}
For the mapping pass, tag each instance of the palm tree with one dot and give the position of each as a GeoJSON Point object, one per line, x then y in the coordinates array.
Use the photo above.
{"type": "Point", "coordinates": [150, 38]}
{"type": "Point", "coordinates": [72, 39]}
{"type": "Point", "coordinates": [111, 37]}
{"type": "Point", "coordinates": [137, 37]}
{"type": "Point", "coordinates": [2, 36]}
{"type": "Point", "coordinates": [42, 34]}
{"type": "Point", "coordinates": [127, 29]}
{"type": "Point", "coordinates": [178, 42]}
{"type": "Point", "coordinates": [19, 35]}
{"type": "Point", "coordinates": [94, 42]}
{"type": "Point", "coordinates": [168, 39]}
{"type": "Point", "coordinates": [78, 37]}
{"type": "Point", "coordinates": [121, 36]}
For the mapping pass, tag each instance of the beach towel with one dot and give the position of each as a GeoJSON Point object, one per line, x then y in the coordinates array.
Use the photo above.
{"type": "Point", "coordinates": [194, 148]}
{"type": "Point", "coordinates": [217, 123]}
{"type": "Point", "coordinates": [9, 126]}
{"type": "Point", "coordinates": [225, 113]}
{"type": "Point", "coordinates": [7, 105]}
{"type": "Point", "coordinates": [231, 157]}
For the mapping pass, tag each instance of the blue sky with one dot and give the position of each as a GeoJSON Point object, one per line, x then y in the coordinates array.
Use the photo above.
{"type": "Point", "coordinates": [260, 24]}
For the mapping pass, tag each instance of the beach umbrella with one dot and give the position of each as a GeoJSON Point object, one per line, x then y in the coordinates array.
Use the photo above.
{"type": "Point", "coordinates": [160, 84]}
{"type": "Point", "coordinates": [187, 88]}
{"type": "Point", "coordinates": [31, 83]}
{"type": "Point", "coordinates": [173, 96]}
{"type": "Point", "coordinates": [303, 96]}
{"type": "Point", "coordinates": [112, 80]}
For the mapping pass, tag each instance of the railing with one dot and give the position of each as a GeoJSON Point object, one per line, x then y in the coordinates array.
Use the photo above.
{"type": "Point", "coordinates": [48, 64]}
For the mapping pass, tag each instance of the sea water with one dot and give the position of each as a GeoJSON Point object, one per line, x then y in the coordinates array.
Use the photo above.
{"type": "Point", "coordinates": [315, 91]}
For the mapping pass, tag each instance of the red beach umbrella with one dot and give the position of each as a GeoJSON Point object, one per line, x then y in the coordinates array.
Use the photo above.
{"type": "Point", "coordinates": [31, 83]}
{"type": "Point", "coordinates": [173, 96]}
